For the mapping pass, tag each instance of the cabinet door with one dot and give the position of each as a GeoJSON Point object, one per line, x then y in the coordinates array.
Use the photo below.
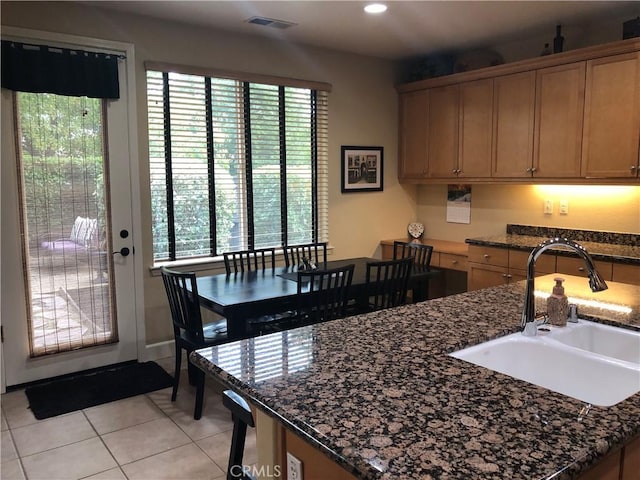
{"type": "Point", "coordinates": [513, 124]}
{"type": "Point", "coordinates": [414, 110]}
{"type": "Point", "coordinates": [484, 276]}
{"type": "Point", "coordinates": [606, 469]}
{"type": "Point", "coordinates": [559, 115]}
{"type": "Point", "coordinates": [626, 273]}
{"type": "Point", "coordinates": [612, 117]}
{"type": "Point", "coordinates": [631, 460]}
{"type": "Point", "coordinates": [476, 129]}
{"type": "Point", "coordinates": [442, 147]}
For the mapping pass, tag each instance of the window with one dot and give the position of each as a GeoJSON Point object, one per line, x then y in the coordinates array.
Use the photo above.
{"type": "Point", "coordinates": [234, 164]}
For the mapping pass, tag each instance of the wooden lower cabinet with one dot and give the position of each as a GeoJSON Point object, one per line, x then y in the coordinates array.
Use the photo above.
{"type": "Point", "coordinates": [623, 464]}
{"type": "Point", "coordinates": [631, 460]}
{"type": "Point", "coordinates": [575, 266]}
{"type": "Point", "coordinates": [626, 273]}
{"type": "Point", "coordinates": [607, 469]}
{"type": "Point", "coordinates": [448, 257]}
{"type": "Point", "coordinates": [493, 266]}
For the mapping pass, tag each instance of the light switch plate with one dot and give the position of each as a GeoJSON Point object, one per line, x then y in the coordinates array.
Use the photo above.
{"type": "Point", "coordinates": [548, 207]}
{"type": "Point", "coordinates": [564, 207]}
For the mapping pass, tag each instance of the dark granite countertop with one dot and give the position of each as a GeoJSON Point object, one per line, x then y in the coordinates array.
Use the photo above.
{"type": "Point", "coordinates": [607, 246]}
{"type": "Point", "coordinates": [379, 394]}
{"type": "Point", "coordinates": [599, 251]}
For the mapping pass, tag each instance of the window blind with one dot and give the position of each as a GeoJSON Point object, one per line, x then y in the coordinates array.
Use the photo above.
{"type": "Point", "coordinates": [234, 165]}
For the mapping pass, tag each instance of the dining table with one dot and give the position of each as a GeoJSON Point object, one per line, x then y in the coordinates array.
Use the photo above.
{"type": "Point", "coordinates": [247, 295]}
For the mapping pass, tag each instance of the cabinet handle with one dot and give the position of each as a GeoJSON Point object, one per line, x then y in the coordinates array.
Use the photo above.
{"type": "Point", "coordinates": [509, 276]}
{"type": "Point", "coordinates": [504, 275]}
{"type": "Point", "coordinates": [528, 170]}
{"type": "Point", "coordinates": [486, 255]}
{"type": "Point", "coordinates": [534, 170]}
{"type": "Point", "coordinates": [454, 171]}
{"type": "Point", "coordinates": [633, 168]}
{"type": "Point", "coordinates": [453, 262]}
{"type": "Point", "coordinates": [458, 171]}
{"type": "Point", "coordinates": [581, 269]}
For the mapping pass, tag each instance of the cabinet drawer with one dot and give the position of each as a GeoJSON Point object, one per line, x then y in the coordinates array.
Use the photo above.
{"type": "Point", "coordinates": [575, 266]}
{"type": "Point", "coordinates": [489, 255]}
{"type": "Point", "coordinates": [453, 262]}
{"type": "Point", "coordinates": [546, 263]}
{"type": "Point", "coordinates": [625, 273]}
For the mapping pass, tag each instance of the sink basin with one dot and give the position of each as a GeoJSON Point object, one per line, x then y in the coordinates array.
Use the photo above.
{"type": "Point", "coordinates": [601, 339]}
{"type": "Point", "coordinates": [543, 361]}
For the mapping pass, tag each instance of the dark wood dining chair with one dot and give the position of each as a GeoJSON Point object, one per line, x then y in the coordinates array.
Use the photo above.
{"type": "Point", "coordinates": [421, 254]}
{"type": "Point", "coordinates": [189, 332]}
{"type": "Point", "coordinates": [322, 295]}
{"type": "Point", "coordinates": [386, 284]}
{"type": "Point", "coordinates": [249, 260]}
{"type": "Point", "coordinates": [314, 252]}
{"type": "Point", "coordinates": [242, 418]}
{"type": "Point", "coordinates": [327, 296]}
{"type": "Point", "coordinates": [254, 261]}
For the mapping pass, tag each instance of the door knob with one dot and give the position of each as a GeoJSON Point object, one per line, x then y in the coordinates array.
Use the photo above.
{"type": "Point", "coordinates": [124, 251]}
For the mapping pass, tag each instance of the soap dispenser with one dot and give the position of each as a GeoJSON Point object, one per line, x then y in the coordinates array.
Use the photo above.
{"type": "Point", "coordinates": [558, 304]}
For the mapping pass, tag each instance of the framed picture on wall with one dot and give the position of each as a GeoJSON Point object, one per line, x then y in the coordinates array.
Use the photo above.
{"type": "Point", "coordinates": [362, 169]}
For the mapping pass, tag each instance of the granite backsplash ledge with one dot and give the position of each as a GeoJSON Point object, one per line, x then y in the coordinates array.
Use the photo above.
{"type": "Point", "coordinates": [577, 235]}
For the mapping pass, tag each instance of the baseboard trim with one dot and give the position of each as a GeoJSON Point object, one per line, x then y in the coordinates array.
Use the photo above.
{"type": "Point", "coordinates": [154, 351]}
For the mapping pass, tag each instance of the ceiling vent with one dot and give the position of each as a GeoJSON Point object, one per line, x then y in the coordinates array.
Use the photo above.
{"type": "Point", "coordinates": [270, 22]}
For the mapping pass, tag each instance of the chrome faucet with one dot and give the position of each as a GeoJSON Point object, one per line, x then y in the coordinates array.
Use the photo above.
{"type": "Point", "coordinates": [596, 282]}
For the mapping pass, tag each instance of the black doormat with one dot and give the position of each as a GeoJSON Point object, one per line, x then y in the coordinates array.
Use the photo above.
{"type": "Point", "coordinates": [95, 388]}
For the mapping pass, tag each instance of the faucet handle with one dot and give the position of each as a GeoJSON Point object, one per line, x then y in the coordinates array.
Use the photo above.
{"type": "Point", "coordinates": [573, 313]}
{"type": "Point", "coordinates": [541, 318]}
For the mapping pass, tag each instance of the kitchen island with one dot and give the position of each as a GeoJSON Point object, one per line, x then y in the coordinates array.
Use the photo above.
{"type": "Point", "coordinates": [378, 394]}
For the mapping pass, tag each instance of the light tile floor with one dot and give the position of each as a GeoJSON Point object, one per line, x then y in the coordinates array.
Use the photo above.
{"type": "Point", "coordinates": [146, 437]}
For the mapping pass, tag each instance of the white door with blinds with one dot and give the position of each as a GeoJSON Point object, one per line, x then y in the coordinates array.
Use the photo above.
{"type": "Point", "coordinates": [68, 269]}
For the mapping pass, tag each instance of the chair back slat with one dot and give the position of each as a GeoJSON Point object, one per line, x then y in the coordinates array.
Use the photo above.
{"type": "Point", "coordinates": [315, 252]}
{"type": "Point", "coordinates": [328, 293]}
{"type": "Point", "coordinates": [182, 292]}
{"type": "Point", "coordinates": [420, 252]}
{"type": "Point", "coordinates": [249, 260]}
{"type": "Point", "coordinates": [387, 283]}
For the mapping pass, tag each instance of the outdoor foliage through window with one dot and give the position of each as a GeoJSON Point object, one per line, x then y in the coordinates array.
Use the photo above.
{"type": "Point", "coordinates": [234, 165]}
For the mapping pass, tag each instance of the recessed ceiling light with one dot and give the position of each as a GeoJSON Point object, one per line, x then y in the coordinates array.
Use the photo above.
{"type": "Point", "coordinates": [375, 8]}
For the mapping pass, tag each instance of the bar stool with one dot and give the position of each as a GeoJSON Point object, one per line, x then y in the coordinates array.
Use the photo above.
{"type": "Point", "coordinates": [241, 416]}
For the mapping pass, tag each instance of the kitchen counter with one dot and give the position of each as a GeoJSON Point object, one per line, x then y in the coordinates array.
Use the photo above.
{"type": "Point", "coordinates": [607, 246]}
{"type": "Point", "coordinates": [379, 395]}
{"type": "Point", "coordinates": [442, 246]}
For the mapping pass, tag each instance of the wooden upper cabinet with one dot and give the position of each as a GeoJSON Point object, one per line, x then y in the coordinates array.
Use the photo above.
{"type": "Point", "coordinates": [612, 117]}
{"type": "Point", "coordinates": [475, 129]}
{"type": "Point", "coordinates": [558, 125]}
{"type": "Point", "coordinates": [442, 145]}
{"type": "Point", "coordinates": [514, 104]}
{"type": "Point", "coordinates": [414, 110]}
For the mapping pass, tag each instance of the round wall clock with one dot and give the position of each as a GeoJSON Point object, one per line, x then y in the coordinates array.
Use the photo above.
{"type": "Point", "coordinates": [415, 230]}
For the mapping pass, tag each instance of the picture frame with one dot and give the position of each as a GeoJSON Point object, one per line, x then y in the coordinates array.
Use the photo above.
{"type": "Point", "coordinates": [362, 169]}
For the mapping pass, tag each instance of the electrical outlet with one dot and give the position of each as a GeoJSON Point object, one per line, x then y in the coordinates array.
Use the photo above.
{"type": "Point", "coordinates": [548, 207]}
{"type": "Point", "coordinates": [294, 468]}
{"type": "Point", "coordinates": [564, 207]}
